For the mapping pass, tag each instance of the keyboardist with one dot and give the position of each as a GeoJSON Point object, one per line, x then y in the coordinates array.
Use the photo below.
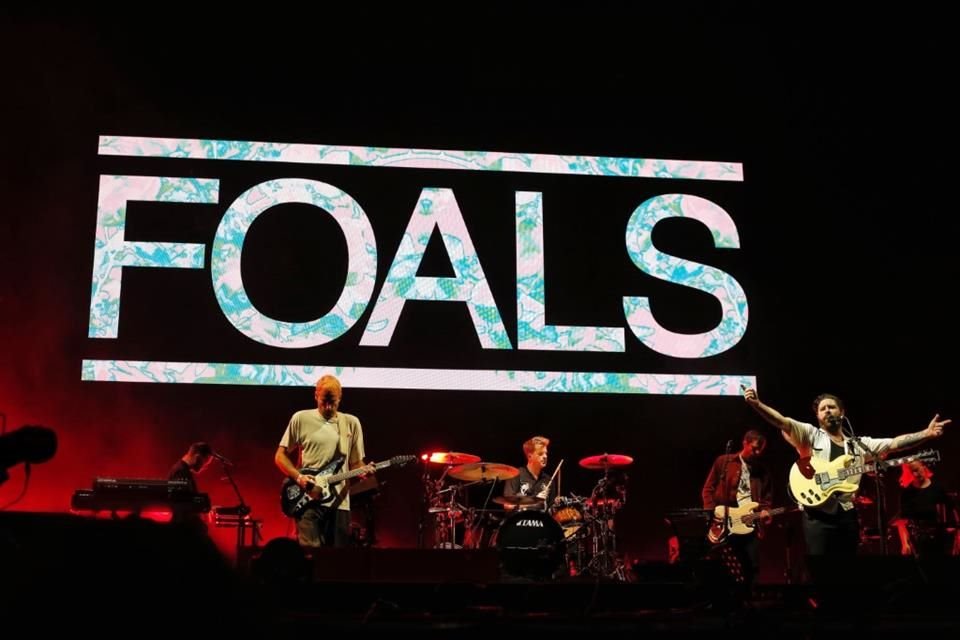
{"type": "Point", "coordinates": [194, 461]}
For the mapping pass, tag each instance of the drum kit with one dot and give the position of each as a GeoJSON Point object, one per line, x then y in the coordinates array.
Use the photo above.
{"type": "Point", "coordinates": [574, 535]}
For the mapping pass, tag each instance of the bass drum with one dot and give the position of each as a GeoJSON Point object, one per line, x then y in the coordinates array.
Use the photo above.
{"type": "Point", "coordinates": [531, 545]}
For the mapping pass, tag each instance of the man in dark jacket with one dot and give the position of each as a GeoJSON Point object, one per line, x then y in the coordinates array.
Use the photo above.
{"type": "Point", "coordinates": [739, 485]}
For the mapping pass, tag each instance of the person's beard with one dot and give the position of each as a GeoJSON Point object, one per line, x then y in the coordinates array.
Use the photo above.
{"type": "Point", "coordinates": [833, 424]}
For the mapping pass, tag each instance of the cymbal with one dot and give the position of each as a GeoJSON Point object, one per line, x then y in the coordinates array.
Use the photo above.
{"type": "Point", "coordinates": [518, 500]}
{"type": "Point", "coordinates": [606, 461]}
{"type": "Point", "coordinates": [452, 457]}
{"type": "Point", "coordinates": [483, 471]}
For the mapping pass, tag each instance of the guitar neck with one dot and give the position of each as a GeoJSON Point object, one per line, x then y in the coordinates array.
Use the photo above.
{"type": "Point", "coordinates": [346, 475]}
{"type": "Point", "coordinates": [867, 467]}
{"type": "Point", "coordinates": [750, 517]}
{"type": "Point", "coordinates": [856, 470]}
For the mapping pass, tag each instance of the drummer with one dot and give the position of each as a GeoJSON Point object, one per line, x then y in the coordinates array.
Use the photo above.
{"type": "Point", "coordinates": [532, 481]}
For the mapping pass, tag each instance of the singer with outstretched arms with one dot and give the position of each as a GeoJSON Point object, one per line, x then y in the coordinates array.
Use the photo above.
{"type": "Point", "coordinates": [819, 482]}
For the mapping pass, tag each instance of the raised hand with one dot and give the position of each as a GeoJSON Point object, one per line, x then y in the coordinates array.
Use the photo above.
{"type": "Point", "coordinates": [935, 428]}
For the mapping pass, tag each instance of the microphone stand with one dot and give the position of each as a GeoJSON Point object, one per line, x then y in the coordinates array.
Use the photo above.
{"type": "Point", "coordinates": [242, 507]}
{"type": "Point", "coordinates": [242, 511]}
{"type": "Point", "coordinates": [881, 497]}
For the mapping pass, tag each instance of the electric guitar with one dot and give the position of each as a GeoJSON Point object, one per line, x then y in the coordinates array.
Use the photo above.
{"type": "Point", "coordinates": [737, 520]}
{"type": "Point", "coordinates": [813, 481]}
{"type": "Point", "coordinates": [322, 487]}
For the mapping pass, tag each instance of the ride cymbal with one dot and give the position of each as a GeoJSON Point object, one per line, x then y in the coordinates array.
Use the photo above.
{"type": "Point", "coordinates": [483, 471]}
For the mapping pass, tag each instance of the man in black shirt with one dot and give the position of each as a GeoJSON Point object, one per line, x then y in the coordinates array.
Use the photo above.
{"type": "Point", "coordinates": [195, 460]}
{"type": "Point", "coordinates": [531, 481]}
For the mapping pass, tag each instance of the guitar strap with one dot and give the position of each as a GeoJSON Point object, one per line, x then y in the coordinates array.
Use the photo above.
{"type": "Point", "coordinates": [346, 444]}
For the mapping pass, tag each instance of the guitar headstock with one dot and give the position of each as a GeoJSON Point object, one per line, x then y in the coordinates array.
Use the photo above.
{"type": "Point", "coordinates": [927, 455]}
{"type": "Point", "coordinates": [399, 461]}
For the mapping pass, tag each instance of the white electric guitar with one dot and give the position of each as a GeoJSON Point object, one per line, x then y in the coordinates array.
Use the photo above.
{"type": "Point", "coordinates": [737, 520]}
{"type": "Point", "coordinates": [813, 481]}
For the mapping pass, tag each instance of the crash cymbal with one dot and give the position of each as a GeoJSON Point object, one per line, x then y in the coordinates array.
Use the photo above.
{"type": "Point", "coordinates": [606, 461]}
{"type": "Point", "coordinates": [452, 457]}
{"type": "Point", "coordinates": [483, 471]}
{"type": "Point", "coordinates": [518, 500]}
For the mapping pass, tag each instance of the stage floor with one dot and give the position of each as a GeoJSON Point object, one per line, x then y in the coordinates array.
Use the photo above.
{"type": "Point", "coordinates": [59, 571]}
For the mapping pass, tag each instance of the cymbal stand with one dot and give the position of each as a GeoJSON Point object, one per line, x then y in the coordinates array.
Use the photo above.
{"type": "Point", "coordinates": [432, 503]}
{"type": "Point", "coordinates": [429, 491]}
{"type": "Point", "coordinates": [447, 522]}
{"type": "Point", "coordinates": [474, 519]}
{"type": "Point", "coordinates": [580, 538]}
{"type": "Point", "coordinates": [605, 562]}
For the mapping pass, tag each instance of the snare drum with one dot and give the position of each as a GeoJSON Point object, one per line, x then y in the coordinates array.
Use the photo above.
{"type": "Point", "coordinates": [531, 545]}
{"type": "Point", "coordinates": [568, 513]}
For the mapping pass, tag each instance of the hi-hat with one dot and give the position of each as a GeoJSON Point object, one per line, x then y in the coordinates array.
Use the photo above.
{"type": "Point", "coordinates": [518, 500]}
{"type": "Point", "coordinates": [448, 512]}
{"type": "Point", "coordinates": [606, 461]}
{"type": "Point", "coordinates": [452, 457]}
{"type": "Point", "coordinates": [483, 471]}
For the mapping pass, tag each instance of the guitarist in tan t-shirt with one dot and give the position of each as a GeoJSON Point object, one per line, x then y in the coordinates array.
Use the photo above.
{"type": "Point", "coordinates": [328, 441]}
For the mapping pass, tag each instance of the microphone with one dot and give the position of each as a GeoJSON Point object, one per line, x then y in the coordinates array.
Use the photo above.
{"type": "Point", "coordinates": [729, 446]}
{"type": "Point", "coordinates": [222, 458]}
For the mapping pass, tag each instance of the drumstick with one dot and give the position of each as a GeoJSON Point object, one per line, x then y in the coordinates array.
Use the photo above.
{"type": "Point", "coordinates": [555, 474]}
{"type": "Point", "coordinates": [551, 479]}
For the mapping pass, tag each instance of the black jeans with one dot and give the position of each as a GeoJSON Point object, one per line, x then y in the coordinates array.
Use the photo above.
{"type": "Point", "coordinates": [324, 527]}
{"type": "Point", "coordinates": [832, 541]}
{"type": "Point", "coordinates": [747, 549]}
